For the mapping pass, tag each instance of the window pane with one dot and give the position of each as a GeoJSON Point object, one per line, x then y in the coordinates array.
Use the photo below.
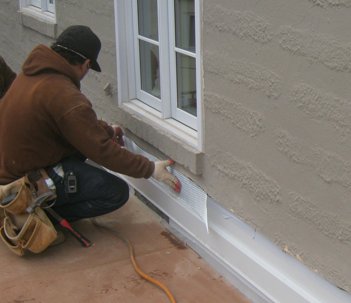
{"type": "Point", "coordinates": [186, 83]}
{"type": "Point", "coordinates": [147, 18]}
{"type": "Point", "coordinates": [36, 3]}
{"type": "Point", "coordinates": [51, 6]}
{"type": "Point", "coordinates": [185, 24]}
{"type": "Point", "coordinates": [149, 68]}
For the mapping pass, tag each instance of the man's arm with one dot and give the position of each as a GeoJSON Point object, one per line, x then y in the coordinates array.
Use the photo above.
{"type": "Point", "coordinates": [92, 138]}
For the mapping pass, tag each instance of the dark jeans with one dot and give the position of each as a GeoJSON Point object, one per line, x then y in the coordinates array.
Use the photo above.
{"type": "Point", "coordinates": [99, 192]}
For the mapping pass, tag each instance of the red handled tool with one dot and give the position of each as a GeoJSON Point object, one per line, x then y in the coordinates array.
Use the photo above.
{"type": "Point", "coordinates": [65, 224]}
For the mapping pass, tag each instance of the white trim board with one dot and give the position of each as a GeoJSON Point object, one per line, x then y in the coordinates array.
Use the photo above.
{"type": "Point", "coordinates": [252, 263]}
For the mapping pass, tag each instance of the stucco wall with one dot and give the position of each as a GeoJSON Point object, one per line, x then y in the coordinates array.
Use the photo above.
{"type": "Point", "coordinates": [278, 122]}
{"type": "Point", "coordinates": [16, 41]}
{"type": "Point", "coordinates": [99, 15]}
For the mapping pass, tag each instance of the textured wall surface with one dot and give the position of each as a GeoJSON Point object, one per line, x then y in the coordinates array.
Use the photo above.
{"type": "Point", "coordinates": [278, 123]}
{"type": "Point", "coordinates": [16, 41]}
{"type": "Point", "coordinates": [99, 15]}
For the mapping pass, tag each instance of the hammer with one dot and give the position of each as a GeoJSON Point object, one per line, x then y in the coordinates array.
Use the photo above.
{"type": "Point", "coordinates": [65, 224]}
{"type": "Point", "coordinates": [38, 202]}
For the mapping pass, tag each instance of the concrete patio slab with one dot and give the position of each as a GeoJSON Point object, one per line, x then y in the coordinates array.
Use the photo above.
{"type": "Point", "coordinates": [103, 273]}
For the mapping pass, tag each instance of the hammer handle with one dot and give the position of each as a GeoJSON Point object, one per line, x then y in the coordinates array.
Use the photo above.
{"type": "Point", "coordinates": [65, 224]}
{"type": "Point", "coordinates": [84, 241]}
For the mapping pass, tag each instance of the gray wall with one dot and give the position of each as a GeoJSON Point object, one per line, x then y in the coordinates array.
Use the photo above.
{"type": "Point", "coordinates": [99, 15]}
{"type": "Point", "coordinates": [18, 40]}
{"type": "Point", "coordinates": [277, 112]}
{"type": "Point", "coordinates": [15, 40]}
{"type": "Point", "coordinates": [278, 122]}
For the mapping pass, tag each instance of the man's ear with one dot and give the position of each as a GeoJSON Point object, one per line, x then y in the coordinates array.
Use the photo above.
{"type": "Point", "coordinates": [84, 68]}
{"type": "Point", "coordinates": [87, 64]}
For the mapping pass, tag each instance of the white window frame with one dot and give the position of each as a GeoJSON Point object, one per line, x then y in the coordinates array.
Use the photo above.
{"type": "Point", "coordinates": [129, 82]}
{"type": "Point", "coordinates": [43, 7]}
{"type": "Point", "coordinates": [140, 94]}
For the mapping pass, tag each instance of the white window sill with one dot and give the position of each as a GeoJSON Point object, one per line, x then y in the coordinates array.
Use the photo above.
{"type": "Point", "coordinates": [176, 128]}
{"type": "Point", "coordinates": [35, 19]}
{"type": "Point", "coordinates": [172, 138]}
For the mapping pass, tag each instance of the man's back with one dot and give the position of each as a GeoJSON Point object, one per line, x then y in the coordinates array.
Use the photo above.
{"type": "Point", "coordinates": [44, 118]}
{"type": "Point", "coordinates": [29, 117]}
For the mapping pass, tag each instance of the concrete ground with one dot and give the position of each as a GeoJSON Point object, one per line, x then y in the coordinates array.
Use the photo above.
{"type": "Point", "coordinates": [103, 273]}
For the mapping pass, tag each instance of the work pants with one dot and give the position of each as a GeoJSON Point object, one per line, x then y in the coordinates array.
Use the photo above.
{"type": "Point", "coordinates": [98, 192]}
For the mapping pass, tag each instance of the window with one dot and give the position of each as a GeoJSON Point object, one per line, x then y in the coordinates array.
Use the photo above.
{"type": "Point", "coordinates": [43, 5]}
{"type": "Point", "coordinates": [39, 15]}
{"type": "Point", "coordinates": [162, 47]}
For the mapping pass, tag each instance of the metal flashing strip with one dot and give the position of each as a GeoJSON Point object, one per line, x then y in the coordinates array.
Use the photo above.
{"type": "Point", "coordinates": [191, 197]}
{"type": "Point", "coordinates": [252, 263]}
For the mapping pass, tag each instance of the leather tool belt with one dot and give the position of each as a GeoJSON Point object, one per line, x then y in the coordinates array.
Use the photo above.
{"type": "Point", "coordinates": [24, 225]}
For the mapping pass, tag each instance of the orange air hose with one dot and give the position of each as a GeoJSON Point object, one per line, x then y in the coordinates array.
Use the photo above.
{"type": "Point", "coordinates": [138, 270]}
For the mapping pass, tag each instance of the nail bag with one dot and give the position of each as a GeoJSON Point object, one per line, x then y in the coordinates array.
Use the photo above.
{"type": "Point", "coordinates": [22, 226]}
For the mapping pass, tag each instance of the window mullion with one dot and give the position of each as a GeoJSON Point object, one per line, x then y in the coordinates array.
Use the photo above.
{"type": "Point", "coordinates": [131, 28]}
{"type": "Point", "coordinates": [136, 49]}
{"type": "Point", "coordinates": [199, 76]}
{"type": "Point", "coordinates": [172, 60]}
{"type": "Point", "coordinates": [164, 59]}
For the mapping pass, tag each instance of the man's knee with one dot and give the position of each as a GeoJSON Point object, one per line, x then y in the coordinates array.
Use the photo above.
{"type": "Point", "coordinates": [123, 192]}
{"type": "Point", "coordinates": [119, 196]}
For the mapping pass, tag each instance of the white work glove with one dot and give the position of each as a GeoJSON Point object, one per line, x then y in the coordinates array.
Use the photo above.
{"type": "Point", "coordinates": [162, 174]}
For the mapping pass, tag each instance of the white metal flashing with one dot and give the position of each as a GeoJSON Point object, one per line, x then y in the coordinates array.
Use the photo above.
{"type": "Point", "coordinates": [253, 264]}
{"type": "Point", "coordinates": [192, 197]}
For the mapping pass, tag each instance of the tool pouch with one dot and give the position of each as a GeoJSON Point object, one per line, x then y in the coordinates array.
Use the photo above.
{"type": "Point", "coordinates": [16, 196]}
{"type": "Point", "coordinates": [19, 230]}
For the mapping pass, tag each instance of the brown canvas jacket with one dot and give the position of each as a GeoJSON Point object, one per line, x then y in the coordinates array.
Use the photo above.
{"type": "Point", "coordinates": [44, 118]}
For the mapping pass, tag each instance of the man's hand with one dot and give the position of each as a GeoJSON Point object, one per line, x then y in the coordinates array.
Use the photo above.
{"type": "Point", "coordinates": [162, 174]}
{"type": "Point", "coordinates": [118, 134]}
